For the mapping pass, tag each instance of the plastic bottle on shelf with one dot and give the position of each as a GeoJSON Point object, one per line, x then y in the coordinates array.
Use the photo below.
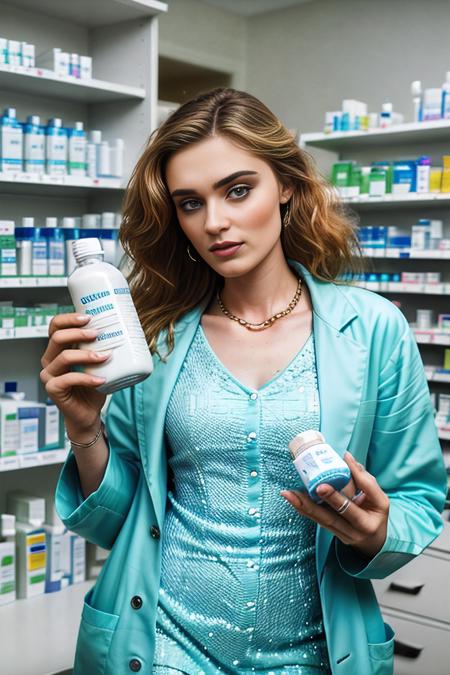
{"type": "Point", "coordinates": [7, 558]}
{"type": "Point", "coordinates": [386, 115]}
{"type": "Point", "coordinates": [3, 51]}
{"type": "Point", "coordinates": [416, 91]}
{"type": "Point", "coordinates": [95, 138]}
{"type": "Point", "coordinates": [70, 235]}
{"type": "Point", "coordinates": [77, 150]}
{"type": "Point", "coordinates": [11, 142]}
{"type": "Point", "coordinates": [34, 145]}
{"type": "Point", "coordinates": [108, 220]}
{"type": "Point", "coordinates": [116, 155]}
{"type": "Point", "coordinates": [104, 160]}
{"type": "Point", "coordinates": [56, 147]}
{"type": "Point", "coordinates": [100, 290]}
{"type": "Point", "coordinates": [108, 239]}
{"type": "Point", "coordinates": [423, 174]}
{"type": "Point", "coordinates": [56, 248]}
{"type": "Point", "coordinates": [74, 65]}
{"type": "Point", "coordinates": [432, 104]}
{"type": "Point", "coordinates": [445, 109]}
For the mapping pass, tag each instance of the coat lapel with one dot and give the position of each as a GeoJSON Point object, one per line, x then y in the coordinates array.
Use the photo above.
{"type": "Point", "coordinates": [341, 370]}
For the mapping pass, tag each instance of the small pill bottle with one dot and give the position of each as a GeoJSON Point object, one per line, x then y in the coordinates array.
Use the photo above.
{"type": "Point", "coordinates": [100, 290]}
{"type": "Point", "coordinates": [317, 463]}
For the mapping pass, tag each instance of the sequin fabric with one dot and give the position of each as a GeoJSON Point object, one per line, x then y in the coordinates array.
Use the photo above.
{"type": "Point", "coordinates": [238, 589]}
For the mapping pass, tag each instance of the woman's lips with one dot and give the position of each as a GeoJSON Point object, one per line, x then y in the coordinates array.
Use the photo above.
{"type": "Point", "coordinates": [227, 251]}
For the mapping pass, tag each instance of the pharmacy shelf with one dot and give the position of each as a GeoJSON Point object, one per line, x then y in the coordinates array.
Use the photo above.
{"type": "Point", "coordinates": [25, 332]}
{"type": "Point", "coordinates": [98, 12]}
{"type": "Point", "coordinates": [42, 631]}
{"type": "Point", "coordinates": [410, 199]}
{"type": "Point", "coordinates": [400, 134]}
{"type": "Point", "coordinates": [433, 376]}
{"type": "Point", "coordinates": [61, 186]}
{"type": "Point", "coordinates": [431, 336]}
{"type": "Point", "coordinates": [406, 254]}
{"type": "Point", "coordinates": [398, 287]}
{"type": "Point", "coordinates": [33, 282]}
{"type": "Point", "coordinates": [31, 459]}
{"type": "Point", "coordinates": [43, 82]}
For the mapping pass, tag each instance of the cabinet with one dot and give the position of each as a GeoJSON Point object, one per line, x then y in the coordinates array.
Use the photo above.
{"type": "Point", "coordinates": [121, 99]}
{"type": "Point", "coordinates": [415, 602]}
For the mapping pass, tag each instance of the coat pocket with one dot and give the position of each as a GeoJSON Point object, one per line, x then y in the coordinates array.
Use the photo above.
{"type": "Point", "coordinates": [381, 654]}
{"type": "Point", "coordinates": [94, 639]}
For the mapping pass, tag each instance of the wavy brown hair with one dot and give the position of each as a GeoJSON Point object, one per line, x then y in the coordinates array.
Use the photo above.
{"type": "Point", "coordinates": [164, 282]}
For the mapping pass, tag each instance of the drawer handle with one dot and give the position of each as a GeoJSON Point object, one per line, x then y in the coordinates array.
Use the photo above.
{"type": "Point", "coordinates": [402, 649]}
{"type": "Point", "coordinates": [404, 588]}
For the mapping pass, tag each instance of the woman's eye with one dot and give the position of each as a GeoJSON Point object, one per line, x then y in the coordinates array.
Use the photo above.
{"type": "Point", "coordinates": [239, 191]}
{"type": "Point", "coordinates": [190, 205]}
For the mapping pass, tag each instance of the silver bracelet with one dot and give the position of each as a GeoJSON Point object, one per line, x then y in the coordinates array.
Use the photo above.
{"type": "Point", "coordinates": [91, 443]}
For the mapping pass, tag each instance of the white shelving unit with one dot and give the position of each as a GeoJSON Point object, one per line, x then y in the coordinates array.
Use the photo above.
{"type": "Point", "coordinates": [38, 635]}
{"type": "Point", "coordinates": [403, 142]}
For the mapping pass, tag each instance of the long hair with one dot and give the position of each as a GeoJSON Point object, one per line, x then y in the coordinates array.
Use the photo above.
{"type": "Point", "coordinates": [164, 282]}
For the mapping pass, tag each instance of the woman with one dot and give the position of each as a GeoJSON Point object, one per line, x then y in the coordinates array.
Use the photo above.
{"type": "Point", "coordinates": [219, 561]}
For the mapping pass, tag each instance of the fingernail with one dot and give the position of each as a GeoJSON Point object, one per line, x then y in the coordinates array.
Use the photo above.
{"type": "Point", "coordinates": [82, 318]}
{"type": "Point", "coordinates": [91, 332]}
{"type": "Point", "coordinates": [98, 379]}
{"type": "Point", "coordinates": [103, 355]}
{"type": "Point", "coordinates": [323, 491]}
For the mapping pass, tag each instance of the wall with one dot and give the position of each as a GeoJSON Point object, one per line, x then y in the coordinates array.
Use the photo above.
{"type": "Point", "coordinates": [304, 60]}
{"type": "Point", "coordinates": [199, 34]}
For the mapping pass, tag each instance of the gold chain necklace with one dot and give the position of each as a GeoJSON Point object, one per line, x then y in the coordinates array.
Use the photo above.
{"type": "Point", "coordinates": [268, 322]}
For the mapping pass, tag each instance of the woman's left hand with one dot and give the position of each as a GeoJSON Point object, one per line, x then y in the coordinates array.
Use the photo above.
{"type": "Point", "coordinates": [362, 523]}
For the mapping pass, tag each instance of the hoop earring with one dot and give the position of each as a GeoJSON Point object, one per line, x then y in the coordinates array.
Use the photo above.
{"type": "Point", "coordinates": [287, 217]}
{"type": "Point", "coordinates": [190, 255]}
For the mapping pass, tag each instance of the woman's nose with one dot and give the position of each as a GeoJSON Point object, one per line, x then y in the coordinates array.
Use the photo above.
{"type": "Point", "coordinates": [216, 220]}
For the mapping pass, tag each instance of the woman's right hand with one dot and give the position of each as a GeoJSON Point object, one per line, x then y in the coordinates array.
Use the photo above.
{"type": "Point", "coordinates": [73, 392]}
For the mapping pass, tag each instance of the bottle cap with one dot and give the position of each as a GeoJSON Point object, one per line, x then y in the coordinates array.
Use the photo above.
{"type": "Point", "coordinates": [84, 248]}
{"type": "Point", "coordinates": [68, 221]}
{"type": "Point", "coordinates": [79, 126]}
{"type": "Point", "coordinates": [55, 122]}
{"type": "Point", "coordinates": [51, 221]}
{"type": "Point", "coordinates": [416, 88]}
{"type": "Point", "coordinates": [35, 120]}
{"type": "Point", "coordinates": [27, 222]}
{"type": "Point", "coordinates": [108, 219]}
{"type": "Point", "coordinates": [304, 440]}
{"type": "Point", "coordinates": [90, 220]}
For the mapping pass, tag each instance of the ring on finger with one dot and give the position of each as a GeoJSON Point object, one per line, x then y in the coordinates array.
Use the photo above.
{"type": "Point", "coordinates": [343, 508]}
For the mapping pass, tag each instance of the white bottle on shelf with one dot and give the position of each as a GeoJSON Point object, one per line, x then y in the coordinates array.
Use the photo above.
{"type": "Point", "coordinates": [7, 558]}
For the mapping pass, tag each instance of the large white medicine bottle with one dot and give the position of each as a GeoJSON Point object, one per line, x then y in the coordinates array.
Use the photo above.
{"type": "Point", "coordinates": [100, 290]}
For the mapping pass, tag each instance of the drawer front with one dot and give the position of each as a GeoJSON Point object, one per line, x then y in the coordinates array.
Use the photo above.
{"type": "Point", "coordinates": [424, 650]}
{"type": "Point", "coordinates": [421, 587]}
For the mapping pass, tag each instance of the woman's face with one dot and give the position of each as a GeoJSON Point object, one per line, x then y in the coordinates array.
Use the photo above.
{"type": "Point", "coordinates": [228, 204]}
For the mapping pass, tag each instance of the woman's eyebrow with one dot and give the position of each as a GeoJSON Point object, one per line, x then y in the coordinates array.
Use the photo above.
{"type": "Point", "coordinates": [220, 183]}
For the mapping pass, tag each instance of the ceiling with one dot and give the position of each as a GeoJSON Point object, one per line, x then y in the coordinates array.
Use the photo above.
{"type": "Point", "coordinates": [252, 7]}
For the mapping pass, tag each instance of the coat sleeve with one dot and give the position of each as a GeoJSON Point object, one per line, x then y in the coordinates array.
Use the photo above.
{"type": "Point", "coordinates": [406, 459]}
{"type": "Point", "coordinates": [99, 517]}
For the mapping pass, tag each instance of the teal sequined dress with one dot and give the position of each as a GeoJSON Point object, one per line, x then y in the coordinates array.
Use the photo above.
{"type": "Point", "coordinates": [238, 589]}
